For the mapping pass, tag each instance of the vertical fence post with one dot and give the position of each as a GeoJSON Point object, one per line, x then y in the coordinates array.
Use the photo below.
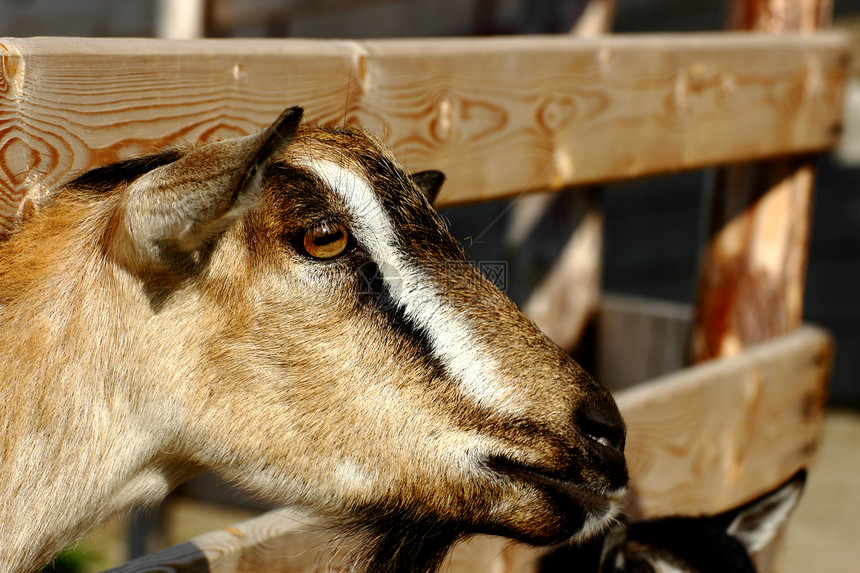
{"type": "Point", "coordinates": [180, 19]}
{"type": "Point", "coordinates": [753, 265]}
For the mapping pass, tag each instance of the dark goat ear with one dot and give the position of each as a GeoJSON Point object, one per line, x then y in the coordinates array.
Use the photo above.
{"type": "Point", "coordinates": [184, 204]}
{"type": "Point", "coordinates": [430, 182]}
{"type": "Point", "coordinates": [758, 522]}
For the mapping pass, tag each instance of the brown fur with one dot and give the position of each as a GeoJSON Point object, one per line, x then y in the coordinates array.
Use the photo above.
{"type": "Point", "coordinates": [155, 321]}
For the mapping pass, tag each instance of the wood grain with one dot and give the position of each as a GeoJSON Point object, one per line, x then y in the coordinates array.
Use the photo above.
{"type": "Point", "coordinates": [708, 438]}
{"type": "Point", "coordinates": [500, 116]}
{"type": "Point", "coordinates": [753, 267]}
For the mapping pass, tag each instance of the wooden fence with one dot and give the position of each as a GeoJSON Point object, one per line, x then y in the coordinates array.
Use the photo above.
{"type": "Point", "coordinates": [500, 117]}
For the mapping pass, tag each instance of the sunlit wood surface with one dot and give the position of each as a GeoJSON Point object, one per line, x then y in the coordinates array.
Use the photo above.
{"type": "Point", "coordinates": [499, 116]}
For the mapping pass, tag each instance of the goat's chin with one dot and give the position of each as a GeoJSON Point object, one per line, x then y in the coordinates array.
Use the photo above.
{"type": "Point", "coordinates": [394, 541]}
{"type": "Point", "coordinates": [543, 508]}
{"type": "Point", "coordinates": [566, 524]}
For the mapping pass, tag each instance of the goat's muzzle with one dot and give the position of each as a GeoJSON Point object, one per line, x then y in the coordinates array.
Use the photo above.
{"type": "Point", "coordinates": [605, 436]}
{"type": "Point", "coordinates": [581, 478]}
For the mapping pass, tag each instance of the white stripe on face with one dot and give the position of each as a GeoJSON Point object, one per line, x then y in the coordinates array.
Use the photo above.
{"type": "Point", "coordinates": [414, 292]}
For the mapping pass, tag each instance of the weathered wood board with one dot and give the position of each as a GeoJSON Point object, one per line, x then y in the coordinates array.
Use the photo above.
{"type": "Point", "coordinates": [710, 437]}
{"type": "Point", "coordinates": [700, 440]}
{"type": "Point", "coordinates": [638, 339]}
{"type": "Point", "coordinates": [277, 542]}
{"type": "Point", "coordinates": [500, 116]}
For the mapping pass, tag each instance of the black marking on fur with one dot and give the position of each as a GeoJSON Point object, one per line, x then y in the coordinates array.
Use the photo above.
{"type": "Point", "coordinates": [375, 291]}
{"type": "Point", "coordinates": [430, 183]}
{"type": "Point", "coordinates": [299, 198]}
{"type": "Point", "coordinates": [394, 541]}
{"type": "Point", "coordinates": [570, 558]}
{"type": "Point", "coordinates": [103, 179]}
{"type": "Point", "coordinates": [692, 543]}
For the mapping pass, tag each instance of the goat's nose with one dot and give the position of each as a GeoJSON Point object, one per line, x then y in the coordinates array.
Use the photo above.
{"type": "Point", "coordinates": [604, 430]}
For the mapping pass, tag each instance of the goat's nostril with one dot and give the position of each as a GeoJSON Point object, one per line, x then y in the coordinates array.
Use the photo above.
{"type": "Point", "coordinates": [603, 436]}
{"type": "Point", "coordinates": [600, 440]}
{"type": "Point", "coordinates": [604, 428]}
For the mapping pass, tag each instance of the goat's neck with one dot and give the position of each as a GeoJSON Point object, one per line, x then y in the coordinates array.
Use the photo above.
{"type": "Point", "coordinates": [73, 448]}
{"type": "Point", "coordinates": [85, 486]}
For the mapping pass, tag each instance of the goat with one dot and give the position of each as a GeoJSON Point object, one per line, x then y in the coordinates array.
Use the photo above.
{"type": "Point", "coordinates": [723, 543]}
{"type": "Point", "coordinates": [288, 310]}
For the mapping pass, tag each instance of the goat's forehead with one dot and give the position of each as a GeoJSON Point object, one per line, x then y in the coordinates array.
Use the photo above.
{"type": "Point", "coordinates": [359, 173]}
{"type": "Point", "coordinates": [352, 149]}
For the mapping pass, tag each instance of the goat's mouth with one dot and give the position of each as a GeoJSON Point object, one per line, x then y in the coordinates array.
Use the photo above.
{"type": "Point", "coordinates": [594, 502]}
{"type": "Point", "coordinates": [582, 511]}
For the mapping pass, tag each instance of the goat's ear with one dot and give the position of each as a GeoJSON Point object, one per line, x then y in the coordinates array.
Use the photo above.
{"type": "Point", "coordinates": [181, 206]}
{"type": "Point", "coordinates": [758, 522]}
{"type": "Point", "coordinates": [429, 182]}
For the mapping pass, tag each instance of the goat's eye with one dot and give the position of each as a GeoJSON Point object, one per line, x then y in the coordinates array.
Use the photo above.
{"type": "Point", "coordinates": [326, 240]}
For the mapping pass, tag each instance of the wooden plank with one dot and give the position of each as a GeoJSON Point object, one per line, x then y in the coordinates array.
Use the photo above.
{"type": "Point", "coordinates": [595, 19]}
{"type": "Point", "coordinates": [280, 542]}
{"type": "Point", "coordinates": [777, 17]}
{"type": "Point", "coordinates": [498, 115]}
{"type": "Point", "coordinates": [276, 541]}
{"type": "Point", "coordinates": [701, 440]}
{"type": "Point", "coordinates": [553, 112]}
{"type": "Point", "coordinates": [180, 19]}
{"type": "Point", "coordinates": [753, 266]}
{"type": "Point", "coordinates": [713, 436]}
{"type": "Point", "coordinates": [638, 339]}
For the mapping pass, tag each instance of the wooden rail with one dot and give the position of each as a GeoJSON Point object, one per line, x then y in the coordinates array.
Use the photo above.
{"type": "Point", "coordinates": [709, 438]}
{"type": "Point", "coordinates": [498, 115]}
{"type": "Point", "coordinates": [277, 542]}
